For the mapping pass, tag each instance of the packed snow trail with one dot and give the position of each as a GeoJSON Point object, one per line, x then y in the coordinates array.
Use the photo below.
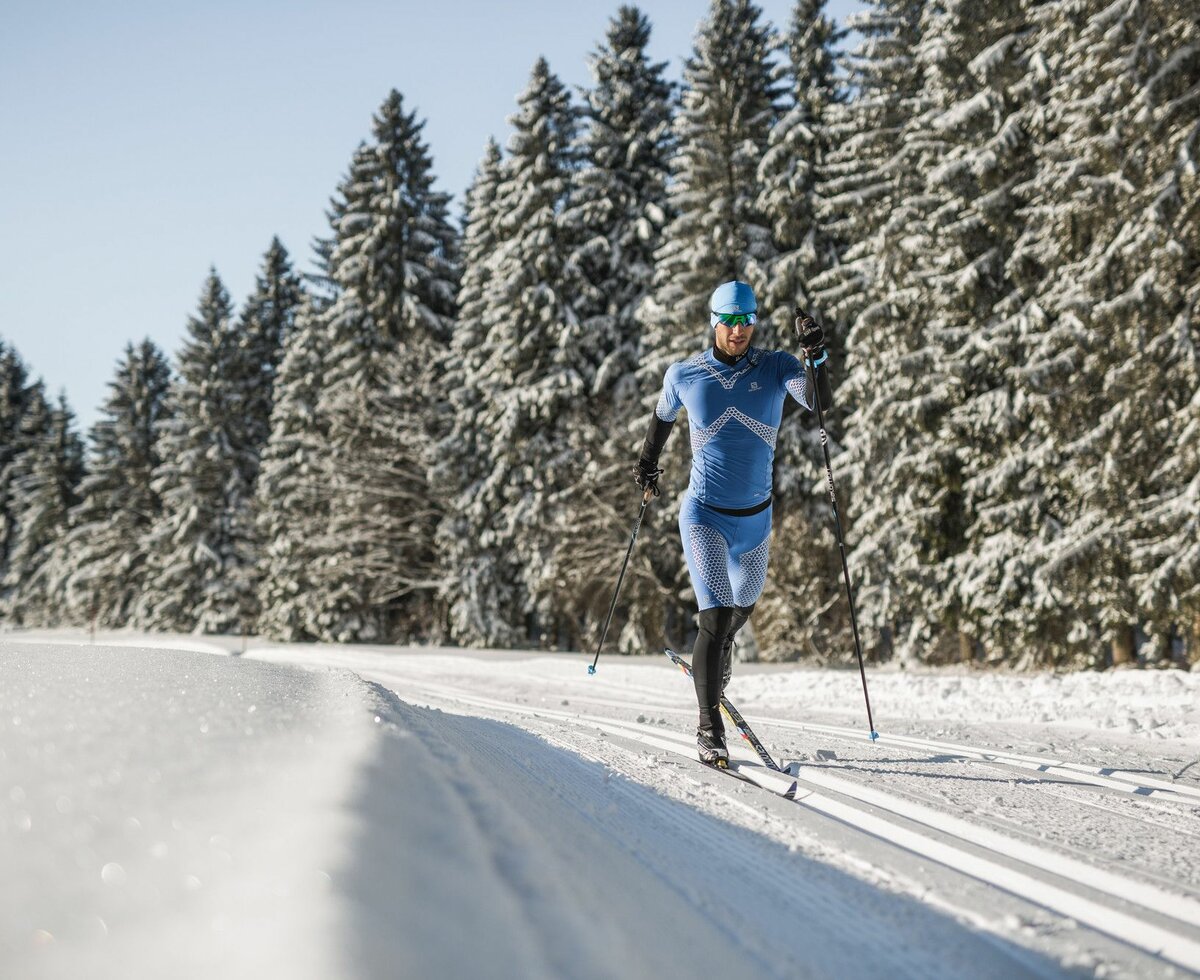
{"type": "Point", "coordinates": [471, 842]}
{"type": "Point", "coordinates": [171, 813]}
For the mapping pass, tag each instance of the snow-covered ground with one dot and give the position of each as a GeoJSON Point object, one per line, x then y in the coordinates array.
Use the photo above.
{"type": "Point", "coordinates": [176, 806]}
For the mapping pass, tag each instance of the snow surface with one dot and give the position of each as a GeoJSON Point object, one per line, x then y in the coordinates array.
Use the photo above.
{"type": "Point", "coordinates": [167, 809]}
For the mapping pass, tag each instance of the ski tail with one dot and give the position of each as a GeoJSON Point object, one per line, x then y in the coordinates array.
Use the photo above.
{"type": "Point", "coordinates": [735, 716]}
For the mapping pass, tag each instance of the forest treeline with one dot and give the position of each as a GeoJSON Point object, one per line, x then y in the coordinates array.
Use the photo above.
{"type": "Point", "coordinates": [428, 436]}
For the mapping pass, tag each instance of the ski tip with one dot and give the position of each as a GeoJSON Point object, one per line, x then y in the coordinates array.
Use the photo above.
{"type": "Point", "coordinates": [591, 668]}
{"type": "Point", "coordinates": [874, 735]}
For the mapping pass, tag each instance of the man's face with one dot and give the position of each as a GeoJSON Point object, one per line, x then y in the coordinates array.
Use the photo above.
{"type": "Point", "coordinates": [733, 341]}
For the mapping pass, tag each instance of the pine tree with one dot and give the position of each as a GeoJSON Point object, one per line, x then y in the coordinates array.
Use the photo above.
{"type": "Point", "coordinates": [256, 347]}
{"type": "Point", "coordinates": [117, 504]}
{"type": "Point", "coordinates": [618, 212]}
{"type": "Point", "coordinates": [791, 171]}
{"type": "Point", "coordinates": [936, 277]}
{"type": "Point", "coordinates": [1151, 273]}
{"type": "Point", "coordinates": [200, 575]}
{"type": "Point", "coordinates": [1166, 532]}
{"type": "Point", "coordinates": [1113, 240]}
{"type": "Point", "coordinates": [863, 174]}
{"type": "Point", "coordinates": [985, 95]}
{"type": "Point", "coordinates": [292, 507]}
{"type": "Point", "coordinates": [867, 174]}
{"type": "Point", "coordinates": [15, 392]}
{"type": "Point", "coordinates": [718, 232]}
{"type": "Point", "coordinates": [535, 365]}
{"type": "Point", "coordinates": [45, 479]}
{"type": "Point", "coordinates": [266, 322]}
{"type": "Point", "coordinates": [476, 580]}
{"type": "Point", "coordinates": [394, 267]}
{"type": "Point", "coordinates": [792, 167]}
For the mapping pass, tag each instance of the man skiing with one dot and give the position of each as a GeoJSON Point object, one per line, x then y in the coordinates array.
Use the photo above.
{"type": "Point", "coordinates": [734, 395]}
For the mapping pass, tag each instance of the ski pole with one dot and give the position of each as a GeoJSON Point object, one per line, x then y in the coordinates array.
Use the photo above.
{"type": "Point", "coordinates": [637, 526]}
{"type": "Point", "coordinates": [802, 322]}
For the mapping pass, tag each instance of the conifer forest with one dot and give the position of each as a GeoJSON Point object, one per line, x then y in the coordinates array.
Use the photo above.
{"type": "Point", "coordinates": [429, 435]}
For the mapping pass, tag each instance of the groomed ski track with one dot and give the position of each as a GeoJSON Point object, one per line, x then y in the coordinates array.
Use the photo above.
{"type": "Point", "coordinates": [915, 856]}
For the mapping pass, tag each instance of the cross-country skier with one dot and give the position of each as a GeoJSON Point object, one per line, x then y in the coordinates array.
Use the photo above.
{"type": "Point", "coordinates": [734, 396]}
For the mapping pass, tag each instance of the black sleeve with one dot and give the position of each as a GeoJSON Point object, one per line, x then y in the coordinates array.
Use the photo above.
{"type": "Point", "coordinates": [656, 438]}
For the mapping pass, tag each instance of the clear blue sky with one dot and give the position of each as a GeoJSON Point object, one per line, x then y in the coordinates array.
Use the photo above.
{"type": "Point", "coordinates": [143, 142]}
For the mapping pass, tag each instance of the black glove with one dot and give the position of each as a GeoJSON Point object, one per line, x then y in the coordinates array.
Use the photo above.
{"type": "Point", "coordinates": [646, 475]}
{"type": "Point", "coordinates": [811, 336]}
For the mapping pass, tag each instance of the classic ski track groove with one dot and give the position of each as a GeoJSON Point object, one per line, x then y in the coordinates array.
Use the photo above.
{"type": "Point", "coordinates": [1120, 780]}
{"type": "Point", "coordinates": [1126, 927]}
{"type": "Point", "coordinates": [749, 769]}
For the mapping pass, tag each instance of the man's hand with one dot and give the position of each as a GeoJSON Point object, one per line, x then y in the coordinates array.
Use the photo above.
{"type": "Point", "coordinates": [810, 335]}
{"type": "Point", "coordinates": [646, 475]}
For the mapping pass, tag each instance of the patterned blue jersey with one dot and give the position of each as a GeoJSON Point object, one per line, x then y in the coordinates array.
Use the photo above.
{"type": "Point", "coordinates": [733, 417]}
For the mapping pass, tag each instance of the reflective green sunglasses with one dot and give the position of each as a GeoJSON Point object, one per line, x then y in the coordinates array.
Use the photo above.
{"type": "Point", "coordinates": [734, 319]}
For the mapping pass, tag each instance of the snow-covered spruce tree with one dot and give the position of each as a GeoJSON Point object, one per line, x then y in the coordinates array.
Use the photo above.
{"type": "Point", "coordinates": [14, 401]}
{"type": "Point", "coordinates": [793, 165]}
{"type": "Point", "coordinates": [200, 573]}
{"type": "Point", "coordinates": [1166, 535]}
{"type": "Point", "coordinates": [1114, 312]}
{"type": "Point", "coordinates": [45, 479]}
{"type": "Point", "coordinates": [117, 504]}
{"type": "Point", "coordinates": [1167, 543]}
{"type": "Point", "coordinates": [862, 176]}
{"type": "Point", "coordinates": [1018, 501]}
{"type": "Point", "coordinates": [717, 232]}
{"type": "Point", "coordinates": [865, 176]}
{"type": "Point", "coordinates": [257, 342]}
{"type": "Point", "coordinates": [291, 502]}
{"type": "Point", "coordinates": [931, 287]}
{"type": "Point", "coordinates": [1151, 271]}
{"type": "Point", "coordinates": [477, 580]}
{"type": "Point", "coordinates": [617, 213]}
{"type": "Point", "coordinates": [806, 563]}
{"type": "Point", "coordinates": [986, 95]}
{"type": "Point", "coordinates": [536, 361]}
{"type": "Point", "coordinates": [267, 320]}
{"type": "Point", "coordinates": [393, 264]}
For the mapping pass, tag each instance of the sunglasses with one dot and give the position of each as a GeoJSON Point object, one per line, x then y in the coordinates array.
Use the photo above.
{"type": "Point", "coordinates": [734, 319]}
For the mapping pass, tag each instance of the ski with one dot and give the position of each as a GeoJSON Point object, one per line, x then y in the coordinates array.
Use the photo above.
{"type": "Point", "coordinates": [735, 716]}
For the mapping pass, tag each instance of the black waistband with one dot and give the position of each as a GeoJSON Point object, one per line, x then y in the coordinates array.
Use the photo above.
{"type": "Point", "coordinates": [743, 511]}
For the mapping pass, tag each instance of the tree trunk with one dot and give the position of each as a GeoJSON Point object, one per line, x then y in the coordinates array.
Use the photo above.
{"type": "Point", "coordinates": [1122, 646]}
{"type": "Point", "coordinates": [966, 648]}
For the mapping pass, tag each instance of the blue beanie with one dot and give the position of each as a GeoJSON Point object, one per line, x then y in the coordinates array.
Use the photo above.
{"type": "Point", "coordinates": [733, 297]}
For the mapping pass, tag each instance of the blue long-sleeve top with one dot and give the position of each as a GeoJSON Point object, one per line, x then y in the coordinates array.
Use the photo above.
{"type": "Point", "coordinates": [734, 412]}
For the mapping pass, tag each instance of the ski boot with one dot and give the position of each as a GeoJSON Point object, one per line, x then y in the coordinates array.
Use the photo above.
{"type": "Point", "coordinates": [710, 746]}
